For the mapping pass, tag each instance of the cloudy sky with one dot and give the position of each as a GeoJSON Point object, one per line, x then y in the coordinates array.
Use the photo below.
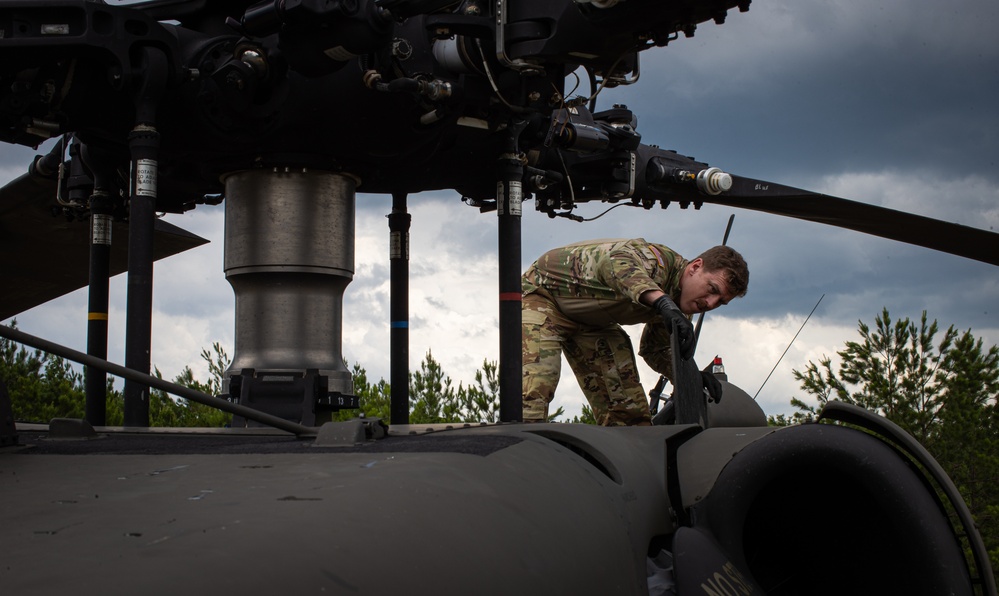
{"type": "Point", "coordinates": [893, 103]}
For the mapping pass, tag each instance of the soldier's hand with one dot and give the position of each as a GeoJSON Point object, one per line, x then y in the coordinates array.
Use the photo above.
{"type": "Point", "coordinates": [669, 311]}
{"type": "Point", "coordinates": [711, 384]}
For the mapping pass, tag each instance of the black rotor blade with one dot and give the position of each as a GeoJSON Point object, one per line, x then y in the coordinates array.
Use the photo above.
{"type": "Point", "coordinates": [728, 229]}
{"type": "Point", "coordinates": [758, 195]}
{"type": "Point", "coordinates": [43, 257]}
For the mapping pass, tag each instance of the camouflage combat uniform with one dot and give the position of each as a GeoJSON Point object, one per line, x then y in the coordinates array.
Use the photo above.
{"type": "Point", "coordinates": [575, 300]}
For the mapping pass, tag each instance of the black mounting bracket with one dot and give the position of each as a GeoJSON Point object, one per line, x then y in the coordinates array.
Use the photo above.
{"type": "Point", "coordinates": [300, 398]}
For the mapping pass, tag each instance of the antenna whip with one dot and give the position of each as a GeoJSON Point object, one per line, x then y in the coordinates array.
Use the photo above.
{"type": "Point", "coordinates": [788, 346]}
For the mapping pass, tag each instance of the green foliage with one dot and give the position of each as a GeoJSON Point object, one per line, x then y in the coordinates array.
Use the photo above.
{"type": "Point", "coordinates": [431, 395]}
{"type": "Point", "coordinates": [218, 361]}
{"type": "Point", "coordinates": [41, 387]}
{"type": "Point", "coordinates": [376, 400]}
{"type": "Point", "coordinates": [165, 410]}
{"type": "Point", "coordinates": [483, 397]}
{"type": "Point", "coordinates": [780, 420]}
{"type": "Point", "coordinates": [435, 399]}
{"type": "Point", "coordinates": [941, 391]}
{"type": "Point", "coordinates": [585, 417]}
{"type": "Point", "coordinates": [115, 414]}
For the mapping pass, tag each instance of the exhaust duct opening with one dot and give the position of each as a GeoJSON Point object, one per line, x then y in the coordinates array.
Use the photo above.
{"type": "Point", "coordinates": [822, 509]}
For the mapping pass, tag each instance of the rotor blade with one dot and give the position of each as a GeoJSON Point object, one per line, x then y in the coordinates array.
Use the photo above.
{"type": "Point", "coordinates": [758, 195]}
{"type": "Point", "coordinates": [728, 229]}
{"type": "Point", "coordinates": [43, 257]}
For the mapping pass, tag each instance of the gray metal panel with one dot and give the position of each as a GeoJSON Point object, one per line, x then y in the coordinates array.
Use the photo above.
{"type": "Point", "coordinates": [533, 517]}
{"type": "Point", "coordinates": [701, 459]}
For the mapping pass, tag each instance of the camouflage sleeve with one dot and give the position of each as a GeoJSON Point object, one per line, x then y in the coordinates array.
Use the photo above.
{"type": "Point", "coordinates": [654, 348]}
{"type": "Point", "coordinates": [625, 270]}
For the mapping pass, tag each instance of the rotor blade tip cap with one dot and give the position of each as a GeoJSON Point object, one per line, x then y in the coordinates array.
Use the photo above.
{"type": "Point", "coordinates": [713, 181]}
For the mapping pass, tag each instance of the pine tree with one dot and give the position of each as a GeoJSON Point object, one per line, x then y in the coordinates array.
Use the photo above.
{"type": "Point", "coordinates": [41, 386]}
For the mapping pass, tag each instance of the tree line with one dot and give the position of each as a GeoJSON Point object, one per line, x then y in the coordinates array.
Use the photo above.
{"type": "Point", "coordinates": [42, 387]}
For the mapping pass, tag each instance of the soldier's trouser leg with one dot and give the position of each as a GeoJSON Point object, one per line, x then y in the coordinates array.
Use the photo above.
{"type": "Point", "coordinates": [542, 355]}
{"type": "Point", "coordinates": [604, 363]}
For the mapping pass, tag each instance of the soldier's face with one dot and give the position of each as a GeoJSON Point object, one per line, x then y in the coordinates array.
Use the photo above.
{"type": "Point", "coordinates": [701, 290]}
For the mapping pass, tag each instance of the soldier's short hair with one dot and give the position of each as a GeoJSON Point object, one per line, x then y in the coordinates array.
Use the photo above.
{"type": "Point", "coordinates": [727, 259]}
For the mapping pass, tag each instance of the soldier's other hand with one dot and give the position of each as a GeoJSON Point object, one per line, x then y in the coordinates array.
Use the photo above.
{"type": "Point", "coordinates": [711, 384]}
{"type": "Point", "coordinates": [669, 311]}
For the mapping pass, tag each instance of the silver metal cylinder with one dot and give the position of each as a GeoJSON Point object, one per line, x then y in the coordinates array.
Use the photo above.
{"type": "Point", "coordinates": [289, 255]}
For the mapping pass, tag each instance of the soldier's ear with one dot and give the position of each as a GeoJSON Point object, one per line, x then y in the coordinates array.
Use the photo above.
{"type": "Point", "coordinates": [695, 265]}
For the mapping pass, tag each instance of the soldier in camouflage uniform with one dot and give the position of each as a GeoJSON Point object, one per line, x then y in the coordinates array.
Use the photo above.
{"type": "Point", "coordinates": [576, 298]}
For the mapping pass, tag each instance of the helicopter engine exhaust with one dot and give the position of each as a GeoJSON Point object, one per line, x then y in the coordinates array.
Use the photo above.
{"type": "Point", "coordinates": [289, 255]}
{"type": "Point", "coordinates": [815, 509]}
